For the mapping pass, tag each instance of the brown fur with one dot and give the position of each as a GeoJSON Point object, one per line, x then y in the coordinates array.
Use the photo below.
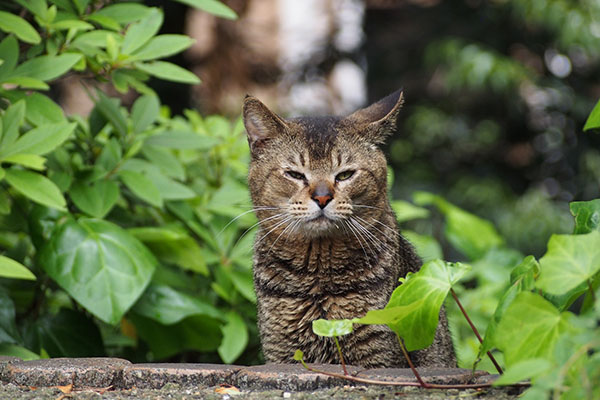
{"type": "Point", "coordinates": [312, 262]}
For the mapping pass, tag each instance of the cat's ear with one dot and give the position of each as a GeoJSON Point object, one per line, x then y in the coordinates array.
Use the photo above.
{"type": "Point", "coordinates": [261, 123]}
{"type": "Point", "coordinates": [379, 119]}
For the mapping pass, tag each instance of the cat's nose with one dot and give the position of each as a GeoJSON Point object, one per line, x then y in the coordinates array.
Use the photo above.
{"type": "Point", "coordinates": [322, 195]}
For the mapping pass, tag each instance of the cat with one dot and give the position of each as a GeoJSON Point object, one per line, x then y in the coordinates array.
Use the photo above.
{"type": "Point", "coordinates": [328, 244]}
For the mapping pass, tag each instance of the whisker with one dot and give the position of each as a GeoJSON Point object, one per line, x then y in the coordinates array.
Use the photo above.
{"type": "Point", "coordinates": [277, 225]}
{"type": "Point", "coordinates": [374, 239]}
{"type": "Point", "coordinates": [347, 223]}
{"type": "Point", "coordinates": [258, 223]}
{"type": "Point", "coordinates": [282, 233]}
{"type": "Point", "coordinates": [244, 213]}
{"type": "Point", "coordinates": [379, 230]}
{"type": "Point", "coordinates": [365, 234]}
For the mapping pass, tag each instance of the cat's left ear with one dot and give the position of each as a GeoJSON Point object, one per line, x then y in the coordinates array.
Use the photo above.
{"type": "Point", "coordinates": [261, 123]}
{"type": "Point", "coordinates": [378, 120]}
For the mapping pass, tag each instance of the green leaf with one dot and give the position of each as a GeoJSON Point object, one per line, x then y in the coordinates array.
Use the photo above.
{"type": "Point", "coordinates": [587, 215]}
{"type": "Point", "coordinates": [36, 187]}
{"type": "Point", "coordinates": [406, 211]}
{"type": "Point", "coordinates": [168, 71]}
{"type": "Point", "coordinates": [40, 140]}
{"type": "Point", "coordinates": [106, 22]}
{"type": "Point", "coordinates": [426, 246]}
{"type": "Point", "coordinates": [10, 268]}
{"type": "Point", "coordinates": [168, 306]}
{"type": "Point", "coordinates": [110, 156]}
{"type": "Point", "coordinates": [182, 140]}
{"type": "Point", "coordinates": [235, 338]}
{"type": "Point", "coordinates": [522, 279]}
{"type": "Point", "coordinates": [173, 246]}
{"type": "Point", "coordinates": [469, 234]}
{"type": "Point", "coordinates": [96, 199]}
{"type": "Point", "coordinates": [142, 187]}
{"type": "Point", "coordinates": [11, 121]}
{"type": "Point", "coordinates": [530, 328]}
{"type": "Point", "coordinates": [41, 110]}
{"type": "Point", "coordinates": [109, 108]}
{"type": "Point", "coordinates": [9, 50]}
{"type": "Point", "coordinates": [164, 159]}
{"type": "Point", "coordinates": [170, 189]}
{"type": "Point", "coordinates": [197, 332]}
{"type": "Point", "coordinates": [8, 325]}
{"type": "Point", "coordinates": [243, 282]}
{"type": "Point", "coordinates": [74, 24]}
{"type": "Point", "coordinates": [13, 350]}
{"type": "Point", "coordinates": [162, 46]}
{"type": "Point", "coordinates": [100, 265]}
{"type": "Point", "coordinates": [59, 339]}
{"type": "Point", "coordinates": [140, 32]}
{"type": "Point", "coordinates": [96, 38]}
{"type": "Point", "coordinates": [37, 7]}
{"type": "Point", "coordinates": [298, 355]}
{"type": "Point", "coordinates": [569, 261]}
{"type": "Point", "coordinates": [211, 6]}
{"type": "Point", "coordinates": [26, 82]}
{"type": "Point", "coordinates": [22, 29]}
{"type": "Point", "coordinates": [144, 112]}
{"type": "Point", "coordinates": [523, 370]}
{"type": "Point", "coordinates": [46, 68]}
{"type": "Point", "coordinates": [323, 327]}
{"type": "Point", "coordinates": [124, 13]}
{"type": "Point", "coordinates": [593, 120]}
{"type": "Point", "coordinates": [427, 289]}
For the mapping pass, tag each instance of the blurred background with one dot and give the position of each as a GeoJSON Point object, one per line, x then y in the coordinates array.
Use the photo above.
{"type": "Point", "coordinates": [497, 92]}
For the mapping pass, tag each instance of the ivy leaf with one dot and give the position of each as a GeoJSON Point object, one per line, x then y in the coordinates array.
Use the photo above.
{"type": "Point", "coordinates": [22, 29]}
{"type": "Point", "coordinates": [10, 268]}
{"type": "Point", "coordinates": [59, 339]}
{"type": "Point", "coordinates": [414, 307]}
{"type": "Point", "coordinates": [569, 261]}
{"type": "Point", "coordinates": [96, 199]}
{"type": "Point", "coordinates": [100, 265]}
{"type": "Point", "coordinates": [340, 327]}
{"type": "Point", "coordinates": [406, 211]}
{"type": "Point", "coordinates": [523, 370]}
{"type": "Point", "coordinates": [235, 338]}
{"type": "Point", "coordinates": [530, 328]}
{"type": "Point", "coordinates": [13, 350]}
{"type": "Point", "coordinates": [211, 6]}
{"type": "Point", "coordinates": [168, 71]}
{"type": "Point", "coordinates": [169, 306]}
{"type": "Point", "coordinates": [426, 246]}
{"type": "Point", "coordinates": [593, 120]}
{"type": "Point", "coordinates": [36, 187]}
{"type": "Point", "coordinates": [9, 333]}
{"type": "Point", "coordinates": [469, 234]}
{"type": "Point", "coordinates": [522, 279]}
{"type": "Point", "coordinates": [587, 215]}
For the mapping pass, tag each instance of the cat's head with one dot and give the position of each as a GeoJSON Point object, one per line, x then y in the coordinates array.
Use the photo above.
{"type": "Point", "coordinates": [314, 176]}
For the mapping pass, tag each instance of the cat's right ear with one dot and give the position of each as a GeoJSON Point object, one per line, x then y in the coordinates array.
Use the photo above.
{"type": "Point", "coordinates": [261, 123]}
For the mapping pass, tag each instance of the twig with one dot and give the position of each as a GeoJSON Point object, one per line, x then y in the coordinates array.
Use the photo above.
{"type": "Point", "coordinates": [410, 364]}
{"type": "Point", "coordinates": [394, 383]}
{"type": "Point", "coordinates": [489, 353]}
{"type": "Point", "coordinates": [337, 343]}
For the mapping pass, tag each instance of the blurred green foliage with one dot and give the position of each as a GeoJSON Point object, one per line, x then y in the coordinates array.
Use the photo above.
{"type": "Point", "coordinates": [115, 229]}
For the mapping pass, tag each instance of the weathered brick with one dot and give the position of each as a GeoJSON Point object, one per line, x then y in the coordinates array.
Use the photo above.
{"type": "Point", "coordinates": [155, 376]}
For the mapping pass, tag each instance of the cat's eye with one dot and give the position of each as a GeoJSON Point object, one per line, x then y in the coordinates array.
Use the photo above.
{"type": "Point", "coordinates": [295, 175]}
{"type": "Point", "coordinates": [344, 175]}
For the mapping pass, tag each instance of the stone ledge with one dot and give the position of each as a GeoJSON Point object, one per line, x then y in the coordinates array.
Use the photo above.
{"type": "Point", "coordinates": [121, 374]}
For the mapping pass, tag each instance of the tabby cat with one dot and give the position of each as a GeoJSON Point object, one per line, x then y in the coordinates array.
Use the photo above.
{"type": "Point", "coordinates": [328, 244]}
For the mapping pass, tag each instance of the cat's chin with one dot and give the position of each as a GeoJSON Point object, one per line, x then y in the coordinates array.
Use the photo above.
{"type": "Point", "coordinates": [321, 227]}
